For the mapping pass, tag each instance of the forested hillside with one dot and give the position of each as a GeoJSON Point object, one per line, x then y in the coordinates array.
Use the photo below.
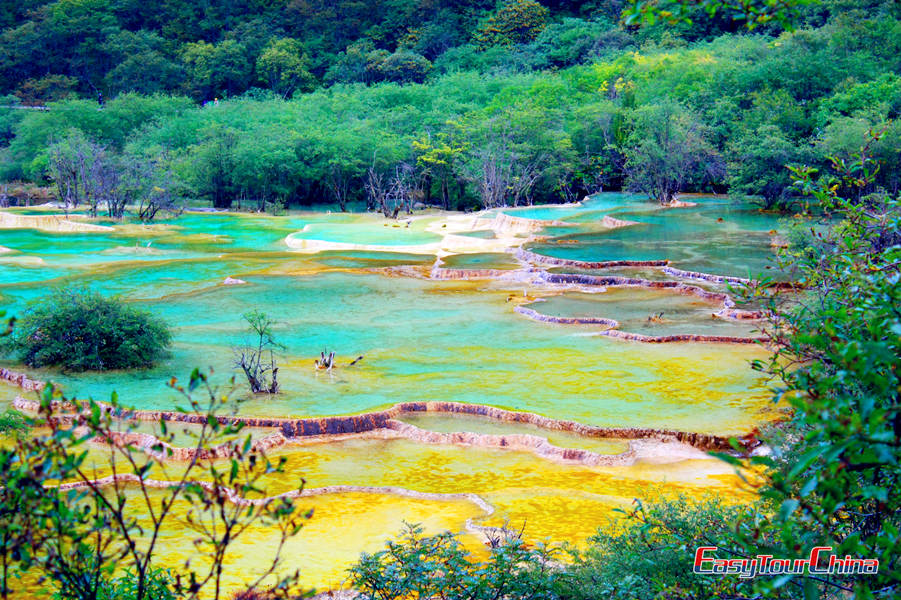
{"type": "Point", "coordinates": [458, 104]}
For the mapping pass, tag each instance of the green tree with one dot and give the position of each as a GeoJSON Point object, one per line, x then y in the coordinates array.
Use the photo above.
{"type": "Point", "coordinates": [405, 67]}
{"type": "Point", "coordinates": [515, 22]}
{"type": "Point", "coordinates": [216, 70]}
{"type": "Point", "coordinates": [283, 68]}
{"type": "Point", "coordinates": [438, 156]}
{"type": "Point", "coordinates": [141, 64]}
{"type": "Point", "coordinates": [420, 568]}
{"type": "Point", "coordinates": [753, 12]}
{"type": "Point", "coordinates": [668, 150]}
{"type": "Point", "coordinates": [837, 345]}
{"type": "Point", "coordinates": [80, 330]}
{"type": "Point", "coordinates": [77, 535]}
{"type": "Point", "coordinates": [758, 166]}
{"type": "Point", "coordinates": [210, 166]}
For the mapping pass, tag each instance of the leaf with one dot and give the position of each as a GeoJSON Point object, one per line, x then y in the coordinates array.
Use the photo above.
{"type": "Point", "coordinates": [787, 508]}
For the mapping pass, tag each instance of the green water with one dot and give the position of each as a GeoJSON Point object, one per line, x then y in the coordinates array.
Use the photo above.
{"type": "Point", "coordinates": [647, 311]}
{"type": "Point", "coordinates": [425, 340]}
{"type": "Point", "coordinates": [716, 236]}
{"type": "Point", "coordinates": [482, 260]}
{"type": "Point", "coordinates": [422, 340]}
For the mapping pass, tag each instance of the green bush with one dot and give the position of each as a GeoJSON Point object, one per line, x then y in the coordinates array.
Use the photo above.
{"type": "Point", "coordinates": [12, 421]}
{"type": "Point", "coordinates": [159, 586]}
{"type": "Point", "coordinates": [649, 554]}
{"type": "Point", "coordinates": [80, 330]}
{"type": "Point", "coordinates": [417, 567]}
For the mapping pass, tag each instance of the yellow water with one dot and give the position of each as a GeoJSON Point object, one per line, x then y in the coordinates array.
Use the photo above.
{"type": "Point", "coordinates": [422, 340]}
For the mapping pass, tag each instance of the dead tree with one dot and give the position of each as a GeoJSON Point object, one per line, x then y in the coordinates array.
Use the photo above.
{"type": "Point", "coordinates": [527, 173]}
{"type": "Point", "coordinates": [338, 182]}
{"type": "Point", "coordinates": [163, 194]}
{"type": "Point", "coordinates": [376, 191]}
{"type": "Point", "coordinates": [257, 358]}
{"type": "Point", "coordinates": [325, 362]}
{"type": "Point", "coordinates": [404, 186]}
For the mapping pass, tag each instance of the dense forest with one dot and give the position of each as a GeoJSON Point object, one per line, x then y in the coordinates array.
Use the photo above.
{"type": "Point", "coordinates": [457, 104]}
{"type": "Point", "coordinates": [126, 109]}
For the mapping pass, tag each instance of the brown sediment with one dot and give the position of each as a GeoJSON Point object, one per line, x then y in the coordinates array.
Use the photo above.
{"type": "Point", "coordinates": [410, 271]}
{"type": "Point", "coordinates": [537, 445]}
{"type": "Point", "coordinates": [367, 422]}
{"type": "Point", "coordinates": [467, 274]}
{"type": "Point", "coordinates": [737, 314]}
{"type": "Point", "coordinates": [681, 337]}
{"type": "Point", "coordinates": [515, 441]}
{"type": "Point", "coordinates": [529, 256]}
{"type": "Point", "coordinates": [537, 316]}
{"type": "Point", "coordinates": [665, 445]}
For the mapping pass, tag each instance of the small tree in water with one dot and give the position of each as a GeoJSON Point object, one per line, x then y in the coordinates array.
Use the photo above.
{"type": "Point", "coordinates": [257, 358]}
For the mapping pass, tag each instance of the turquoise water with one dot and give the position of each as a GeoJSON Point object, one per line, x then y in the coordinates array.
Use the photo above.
{"type": "Point", "coordinates": [425, 340]}
{"type": "Point", "coordinates": [451, 343]}
{"type": "Point", "coordinates": [389, 234]}
{"type": "Point", "coordinates": [647, 311]}
{"type": "Point", "coordinates": [716, 236]}
{"type": "Point", "coordinates": [484, 260]}
{"type": "Point", "coordinates": [422, 340]}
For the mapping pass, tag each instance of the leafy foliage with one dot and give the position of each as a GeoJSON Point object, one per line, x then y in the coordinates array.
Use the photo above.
{"type": "Point", "coordinates": [669, 148]}
{"type": "Point", "coordinates": [80, 330]}
{"type": "Point", "coordinates": [12, 421]}
{"type": "Point", "coordinates": [159, 584]}
{"type": "Point", "coordinates": [78, 534]}
{"type": "Point", "coordinates": [649, 554]}
{"type": "Point", "coordinates": [837, 349]}
{"type": "Point", "coordinates": [515, 22]}
{"type": "Point", "coordinates": [584, 99]}
{"type": "Point", "coordinates": [419, 568]}
{"type": "Point", "coordinates": [753, 12]}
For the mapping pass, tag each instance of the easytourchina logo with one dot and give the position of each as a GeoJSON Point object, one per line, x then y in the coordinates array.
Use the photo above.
{"type": "Point", "coordinates": [821, 561]}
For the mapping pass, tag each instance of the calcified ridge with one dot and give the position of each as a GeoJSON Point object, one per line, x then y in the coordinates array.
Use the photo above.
{"type": "Point", "coordinates": [664, 449]}
{"type": "Point", "coordinates": [728, 310]}
{"type": "Point", "coordinates": [235, 498]}
{"type": "Point", "coordinates": [328, 428]}
{"type": "Point", "coordinates": [537, 316]}
{"type": "Point", "coordinates": [537, 276]}
{"type": "Point", "coordinates": [680, 337]}
{"type": "Point", "coordinates": [533, 257]}
{"type": "Point", "coordinates": [581, 281]}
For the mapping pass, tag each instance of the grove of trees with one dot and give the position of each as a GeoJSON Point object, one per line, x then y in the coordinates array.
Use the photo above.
{"type": "Point", "coordinates": [463, 104]}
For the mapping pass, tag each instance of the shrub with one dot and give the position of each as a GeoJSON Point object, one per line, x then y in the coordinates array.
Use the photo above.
{"type": "Point", "coordinates": [12, 421]}
{"type": "Point", "coordinates": [80, 330]}
{"type": "Point", "coordinates": [159, 586]}
{"type": "Point", "coordinates": [649, 554]}
{"type": "Point", "coordinates": [417, 567]}
{"type": "Point", "coordinates": [77, 539]}
{"type": "Point", "coordinates": [515, 22]}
